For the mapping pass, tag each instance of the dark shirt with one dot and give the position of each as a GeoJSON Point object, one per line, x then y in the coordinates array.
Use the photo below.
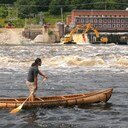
{"type": "Point", "coordinates": [33, 72]}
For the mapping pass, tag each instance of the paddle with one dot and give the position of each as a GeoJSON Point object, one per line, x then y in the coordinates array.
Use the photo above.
{"type": "Point", "coordinates": [15, 110]}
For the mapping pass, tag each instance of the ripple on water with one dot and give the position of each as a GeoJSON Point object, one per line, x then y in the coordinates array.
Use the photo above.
{"type": "Point", "coordinates": [66, 79]}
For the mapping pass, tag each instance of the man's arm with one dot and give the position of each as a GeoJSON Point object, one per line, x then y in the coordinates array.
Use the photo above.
{"type": "Point", "coordinates": [42, 75]}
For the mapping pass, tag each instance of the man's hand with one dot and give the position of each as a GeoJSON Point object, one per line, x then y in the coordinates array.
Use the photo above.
{"type": "Point", "coordinates": [44, 78]}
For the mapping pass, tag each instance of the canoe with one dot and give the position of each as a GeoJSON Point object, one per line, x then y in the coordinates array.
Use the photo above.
{"type": "Point", "coordinates": [63, 100]}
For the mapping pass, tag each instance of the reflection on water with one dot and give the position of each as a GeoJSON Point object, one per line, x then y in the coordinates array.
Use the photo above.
{"type": "Point", "coordinates": [71, 69]}
{"type": "Point", "coordinates": [102, 106]}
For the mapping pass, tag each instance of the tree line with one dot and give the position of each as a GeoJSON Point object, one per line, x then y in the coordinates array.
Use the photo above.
{"type": "Point", "coordinates": [29, 8]}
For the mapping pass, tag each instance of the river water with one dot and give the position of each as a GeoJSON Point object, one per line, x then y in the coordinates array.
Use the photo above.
{"type": "Point", "coordinates": [70, 69]}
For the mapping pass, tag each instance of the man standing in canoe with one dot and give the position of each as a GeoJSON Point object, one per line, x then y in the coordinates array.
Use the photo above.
{"type": "Point", "coordinates": [32, 80]}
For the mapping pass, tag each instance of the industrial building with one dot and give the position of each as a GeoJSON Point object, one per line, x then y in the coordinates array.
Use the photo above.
{"type": "Point", "coordinates": [113, 23]}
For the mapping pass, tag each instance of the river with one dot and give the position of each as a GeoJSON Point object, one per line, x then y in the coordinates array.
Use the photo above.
{"type": "Point", "coordinates": [70, 69]}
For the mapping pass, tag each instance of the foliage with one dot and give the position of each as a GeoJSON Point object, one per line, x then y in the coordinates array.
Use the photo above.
{"type": "Point", "coordinates": [43, 5]}
{"type": "Point", "coordinates": [2, 22]}
{"type": "Point", "coordinates": [106, 5]}
{"type": "Point", "coordinates": [3, 12]}
{"type": "Point", "coordinates": [55, 7]}
{"type": "Point", "coordinates": [19, 23]}
{"type": "Point", "coordinates": [51, 10]}
{"type": "Point", "coordinates": [50, 32]}
{"type": "Point", "coordinates": [51, 18]}
{"type": "Point", "coordinates": [26, 8]}
{"type": "Point", "coordinates": [7, 1]}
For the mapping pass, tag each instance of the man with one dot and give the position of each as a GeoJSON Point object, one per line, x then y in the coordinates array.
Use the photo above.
{"type": "Point", "coordinates": [32, 80]}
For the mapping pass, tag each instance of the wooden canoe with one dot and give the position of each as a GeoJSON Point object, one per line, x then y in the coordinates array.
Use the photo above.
{"type": "Point", "coordinates": [64, 100]}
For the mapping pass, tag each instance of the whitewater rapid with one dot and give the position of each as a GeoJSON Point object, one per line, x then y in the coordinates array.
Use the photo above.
{"type": "Point", "coordinates": [91, 57]}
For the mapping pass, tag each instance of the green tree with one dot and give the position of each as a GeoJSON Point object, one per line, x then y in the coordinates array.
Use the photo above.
{"type": "Point", "coordinates": [7, 1]}
{"type": "Point", "coordinates": [26, 8]}
{"type": "Point", "coordinates": [3, 12]}
{"type": "Point", "coordinates": [86, 4]}
{"type": "Point", "coordinates": [79, 4]}
{"type": "Point", "coordinates": [55, 5]}
{"type": "Point", "coordinates": [69, 6]}
{"type": "Point", "coordinates": [83, 4]}
{"type": "Point", "coordinates": [122, 4]}
{"type": "Point", "coordinates": [105, 4]}
{"type": "Point", "coordinates": [43, 5]}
